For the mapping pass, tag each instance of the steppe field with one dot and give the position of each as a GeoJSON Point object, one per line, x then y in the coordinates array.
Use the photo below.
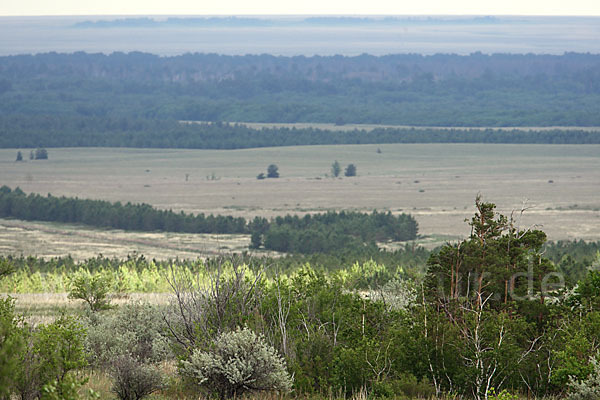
{"type": "Point", "coordinates": [559, 185]}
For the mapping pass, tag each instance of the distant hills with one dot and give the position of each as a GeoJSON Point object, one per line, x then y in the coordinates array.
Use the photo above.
{"type": "Point", "coordinates": [147, 22]}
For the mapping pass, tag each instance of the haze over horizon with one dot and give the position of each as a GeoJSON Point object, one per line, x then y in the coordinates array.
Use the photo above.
{"type": "Point", "coordinates": [308, 7]}
{"type": "Point", "coordinates": [311, 36]}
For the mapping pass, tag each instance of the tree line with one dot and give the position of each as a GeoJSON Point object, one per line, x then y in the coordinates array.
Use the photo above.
{"type": "Point", "coordinates": [310, 234]}
{"type": "Point", "coordinates": [72, 131]}
{"type": "Point", "coordinates": [330, 232]}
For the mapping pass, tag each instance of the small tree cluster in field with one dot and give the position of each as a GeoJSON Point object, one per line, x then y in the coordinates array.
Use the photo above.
{"type": "Point", "coordinates": [237, 362]}
{"type": "Point", "coordinates": [38, 154]}
{"type": "Point", "coordinates": [350, 170]}
{"type": "Point", "coordinates": [272, 172]}
{"type": "Point", "coordinates": [336, 169]}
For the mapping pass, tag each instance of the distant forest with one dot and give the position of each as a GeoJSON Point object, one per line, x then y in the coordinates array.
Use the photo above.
{"type": "Point", "coordinates": [135, 99]}
{"type": "Point", "coordinates": [319, 233]}
{"type": "Point", "coordinates": [76, 131]}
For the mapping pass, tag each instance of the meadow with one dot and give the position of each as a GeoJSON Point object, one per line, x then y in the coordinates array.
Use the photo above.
{"type": "Point", "coordinates": [437, 183]}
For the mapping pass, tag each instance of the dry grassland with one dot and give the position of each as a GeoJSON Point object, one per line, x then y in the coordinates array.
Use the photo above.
{"type": "Point", "coordinates": [47, 240]}
{"type": "Point", "coordinates": [437, 183]}
{"type": "Point", "coordinates": [45, 307]}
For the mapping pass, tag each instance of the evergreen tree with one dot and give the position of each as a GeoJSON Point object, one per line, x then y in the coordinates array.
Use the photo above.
{"type": "Point", "coordinates": [272, 171]}
{"type": "Point", "coordinates": [336, 169]}
{"type": "Point", "coordinates": [41, 154]}
{"type": "Point", "coordinates": [350, 170]}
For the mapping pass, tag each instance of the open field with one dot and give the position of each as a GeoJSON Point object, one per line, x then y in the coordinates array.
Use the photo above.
{"type": "Point", "coordinates": [437, 183]}
{"type": "Point", "coordinates": [48, 239]}
{"type": "Point", "coordinates": [45, 307]}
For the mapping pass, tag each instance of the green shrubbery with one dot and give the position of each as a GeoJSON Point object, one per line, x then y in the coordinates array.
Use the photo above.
{"type": "Point", "coordinates": [44, 359]}
{"type": "Point", "coordinates": [91, 288]}
{"type": "Point", "coordinates": [235, 363]}
{"type": "Point", "coordinates": [467, 329]}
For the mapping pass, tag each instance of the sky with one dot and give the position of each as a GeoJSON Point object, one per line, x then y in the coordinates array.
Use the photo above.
{"type": "Point", "coordinates": [300, 7]}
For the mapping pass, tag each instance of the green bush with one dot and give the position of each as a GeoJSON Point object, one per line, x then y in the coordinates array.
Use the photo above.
{"type": "Point", "coordinates": [134, 380]}
{"type": "Point", "coordinates": [588, 388]}
{"type": "Point", "coordinates": [11, 346]}
{"type": "Point", "coordinates": [51, 355]}
{"type": "Point", "coordinates": [237, 362]}
{"type": "Point", "coordinates": [136, 330]}
{"type": "Point", "coordinates": [91, 288]}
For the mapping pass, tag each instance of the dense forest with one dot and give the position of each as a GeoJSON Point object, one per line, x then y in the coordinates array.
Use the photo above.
{"type": "Point", "coordinates": [320, 233]}
{"type": "Point", "coordinates": [442, 90]}
{"type": "Point", "coordinates": [488, 317]}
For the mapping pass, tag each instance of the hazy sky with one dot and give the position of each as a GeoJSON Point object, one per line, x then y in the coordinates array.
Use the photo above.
{"type": "Point", "coordinates": [261, 7]}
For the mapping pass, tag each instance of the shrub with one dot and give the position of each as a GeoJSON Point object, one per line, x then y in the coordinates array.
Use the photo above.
{"type": "Point", "coordinates": [6, 268]}
{"type": "Point", "coordinates": [350, 170]}
{"type": "Point", "coordinates": [135, 330]}
{"type": "Point", "coordinates": [396, 294]}
{"type": "Point", "coordinates": [67, 389]}
{"type": "Point", "coordinates": [238, 362]}
{"type": "Point", "coordinates": [406, 385]}
{"type": "Point", "coordinates": [587, 389]}
{"type": "Point", "coordinates": [51, 354]}
{"type": "Point", "coordinates": [336, 169]}
{"type": "Point", "coordinates": [11, 346]}
{"type": "Point", "coordinates": [504, 394]}
{"type": "Point", "coordinates": [41, 154]}
{"type": "Point", "coordinates": [204, 308]}
{"type": "Point", "coordinates": [91, 288]}
{"type": "Point", "coordinates": [134, 380]}
{"type": "Point", "coordinates": [255, 240]}
{"type": "Point", "coordinates": [272, 171]}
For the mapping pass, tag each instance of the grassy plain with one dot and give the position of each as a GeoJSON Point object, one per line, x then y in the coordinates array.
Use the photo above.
{"type": "Point", "coordinates": [437, 183]}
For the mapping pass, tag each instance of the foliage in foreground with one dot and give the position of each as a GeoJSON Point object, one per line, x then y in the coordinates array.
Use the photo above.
{"type": "Point", "coordinates": [40, 361]}
{"type": "Point", "coordinates": [487, 315]}
{"type": "Point", "coordinates": [237, 362]}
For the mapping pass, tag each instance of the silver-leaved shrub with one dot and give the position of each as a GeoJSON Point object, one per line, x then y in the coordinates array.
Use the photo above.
{"type": "Point", "coordinates": [237, 362]}
{"type": "Point", "coordinates": [589, 388]}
